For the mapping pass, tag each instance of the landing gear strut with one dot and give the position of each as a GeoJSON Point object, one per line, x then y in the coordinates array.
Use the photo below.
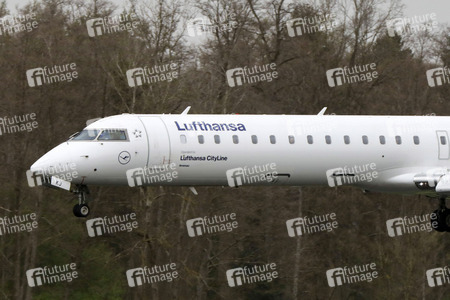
{"type": "Point", "coordinates": [81, 209]}
{"type": "Point", "coordinates": [440, 219]}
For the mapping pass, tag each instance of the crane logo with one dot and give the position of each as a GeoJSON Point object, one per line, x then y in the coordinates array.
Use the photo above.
{"type": "Point", "coordinates": [124, 157]}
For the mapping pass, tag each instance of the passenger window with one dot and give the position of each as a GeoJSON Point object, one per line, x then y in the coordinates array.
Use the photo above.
{"type": "Point", "coordinates": [416, 140]}
{"type": "Point", "coordinates": [272, 139]}
{"type": "Point", "coordinates": [310, 139]}
{"type": "Point", "coordinates": [398, 139]}
{"type": "Point", "coordinates": [291, 139]}
{"type": "Point", "coordinates": [346, 139]}
{"type": "Point", "coordinates": [365, 139]}
{"type": "Point", "coordinates": [254, 139]}
{"type": "Point", "coordinates": [217, 139]}
{"type": "Point", "coordinates": [235, 139]}
{"type": "Point", "coordinates": [443, 140]}
{"type": "Point", "coordinates": [112, 135]}
{"type": "Point", "coordinates": [328, 139]}
{"type": "Point", "coordinates": [183, 139]}
{"type": "Point", "coordinates": [201, 139]}
{"type": "Point", "coordinates": [382, 140]}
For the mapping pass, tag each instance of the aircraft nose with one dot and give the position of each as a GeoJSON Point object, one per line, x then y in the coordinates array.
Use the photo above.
{"type": "Point", "coordinates": [42, 163]}
{"type": "Point", "coordinates": [47, 160]}
{"type": "Point", "coordinates": [54, 162]}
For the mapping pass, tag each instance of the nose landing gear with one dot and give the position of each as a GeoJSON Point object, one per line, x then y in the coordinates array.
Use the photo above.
{"type": "Point", "coordinates": [440, 219]}
{"type": "Point", "coordinates": [81, 209]}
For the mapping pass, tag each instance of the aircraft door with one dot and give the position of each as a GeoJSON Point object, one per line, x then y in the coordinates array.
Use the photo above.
{"type": "Point", "coordinates": [443, 144]}
{"type": "Point", "coordinates": [158, 141]}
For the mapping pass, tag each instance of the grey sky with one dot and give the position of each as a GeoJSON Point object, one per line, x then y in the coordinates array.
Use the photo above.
{"type": "Point", "coordinates": [413, 7]}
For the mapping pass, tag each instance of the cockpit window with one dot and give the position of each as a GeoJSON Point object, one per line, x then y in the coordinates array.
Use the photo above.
{"type": "Point", "coordinates": [113, 135]}
{"type": "Point", "coordinates": [85, 135]}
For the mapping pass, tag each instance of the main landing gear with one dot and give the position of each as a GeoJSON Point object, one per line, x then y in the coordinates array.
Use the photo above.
{"type": "Point", "coordinates": [440, 219]}
{"type": "Point", "coordinates": [81, 209]}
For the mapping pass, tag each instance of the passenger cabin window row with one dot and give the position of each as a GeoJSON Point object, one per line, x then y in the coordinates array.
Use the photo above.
{"type": "Point", "coordinates": [309, 139]}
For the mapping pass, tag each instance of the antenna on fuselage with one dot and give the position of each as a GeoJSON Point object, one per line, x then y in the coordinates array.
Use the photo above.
{"type": "Point", "coordinates": [322, 111]}
{"type": "Point", "coordinates": [90, 121]}
{"type": "Point", "coordinates": [185, 112]}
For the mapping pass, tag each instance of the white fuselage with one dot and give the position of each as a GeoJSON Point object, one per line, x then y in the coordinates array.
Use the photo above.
{"type": "Point", "coordinates": [303, 149]}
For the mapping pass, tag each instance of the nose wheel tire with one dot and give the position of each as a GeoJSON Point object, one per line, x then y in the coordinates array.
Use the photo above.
{"type": "Point", "coordinates": [81, 210]}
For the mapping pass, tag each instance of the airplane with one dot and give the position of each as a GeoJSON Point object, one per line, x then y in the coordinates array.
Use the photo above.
{"type": "Point", "coordinates": [389, 154]}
